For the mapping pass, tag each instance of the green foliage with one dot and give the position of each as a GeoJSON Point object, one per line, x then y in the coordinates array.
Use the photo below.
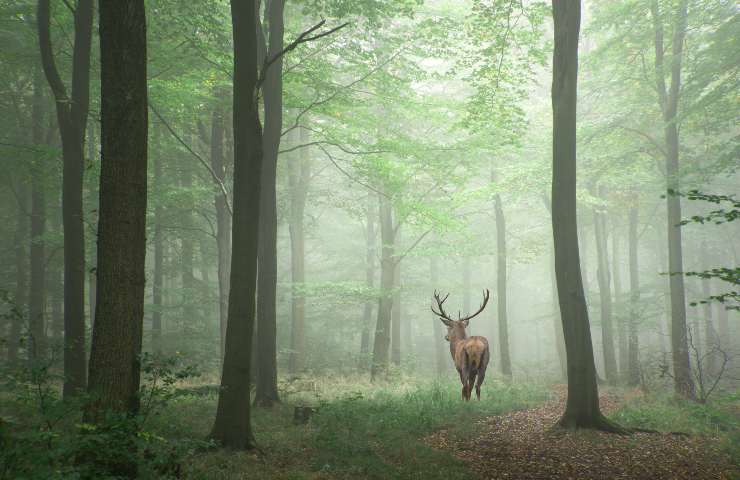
{"type": "Point", "coordinates": [667, 413]}
{"type": "Point", "coordinates": [43, 436]}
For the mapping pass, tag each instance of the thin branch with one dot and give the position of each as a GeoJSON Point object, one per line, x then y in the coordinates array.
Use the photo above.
{"type": "Point", "coordinates": [349, 175]}
{"type": "Point", "coordinates": [216, 180]}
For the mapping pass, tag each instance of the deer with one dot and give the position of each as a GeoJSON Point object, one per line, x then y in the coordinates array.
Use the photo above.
{"type": "Point", "coordinates": [470, 354]}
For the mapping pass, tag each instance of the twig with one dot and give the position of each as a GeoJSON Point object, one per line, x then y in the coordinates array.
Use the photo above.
{"type": "Point", "coordinates": [217, 180]}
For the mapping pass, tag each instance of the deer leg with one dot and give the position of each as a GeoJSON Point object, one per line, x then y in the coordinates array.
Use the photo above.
{"type": "Point", "coordinates": [471, 382]}
{"type": "Point", "coordinates": [481, 377]}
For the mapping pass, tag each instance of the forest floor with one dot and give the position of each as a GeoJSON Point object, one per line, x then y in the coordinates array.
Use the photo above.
{"type": "Point", "coordinates": [524, 445]}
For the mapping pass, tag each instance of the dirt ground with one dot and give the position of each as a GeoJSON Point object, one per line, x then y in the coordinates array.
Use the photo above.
{"type": "Point", "coordinates": [523, 445]}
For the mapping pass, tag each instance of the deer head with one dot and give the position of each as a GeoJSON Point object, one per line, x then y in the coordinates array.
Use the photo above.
{"type": "Point", "coordinates": [456, 328]}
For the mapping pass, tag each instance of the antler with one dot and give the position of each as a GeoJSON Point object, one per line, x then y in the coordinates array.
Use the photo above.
{"type": "Point", "coordinates": [486, 295]}
{"type": "Point", "coordinates": [441, 313]}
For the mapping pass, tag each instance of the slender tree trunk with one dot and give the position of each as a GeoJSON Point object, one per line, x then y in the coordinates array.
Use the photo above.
{"type": "Point", "coordinates": [117, 333]}
{"type": "Point", "coordinates": [267, 393]}
{"type": "Point", "coordinates": [633, 370]}
{"type": "Point", "coordinates": [232, 427]}
{"type": "Point", "coordinates": [370, 252]}
{"type": "Point", "coordinates": [501, 286]}
{"type": "Point", "coordinates": [18, 319]}
{"type": "Point", "coordinates": [382, 340]}
{"type": "Point", "coordinates": [72, 118]}
{"type": "Point", "coordinates": [37, 292]}
{"type": "Point", "coordinates": [710, 334]}
{"type": "Point", "coordinates": [621, 316]}
{"type": "Point", "coordinates": [439, 335]}
{"type": "Point", "coordinates": [582, 405]}
{"type": "Point", "coordinates": [223, 220]}
{"type": "Point", "coordinates": [557, 324]}
{"type": "Point", "coordinates": [668, 100]}
{"type": "Point", "coordinates": [466, 281]}
{"type": "Point", "coordinates": [607, 336]}
{"type": "Point", "coordinates": [158, 274]}
{"type": "Point", "coordinates": [396, 315]}
{"type": "Point", "coordinates": [299, 176]}
{"type": "Point", "coordinates": [187, 255]}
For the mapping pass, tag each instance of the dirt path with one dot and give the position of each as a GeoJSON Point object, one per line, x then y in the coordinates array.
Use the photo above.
{"type": "Point", "coordinates": [522, 445]}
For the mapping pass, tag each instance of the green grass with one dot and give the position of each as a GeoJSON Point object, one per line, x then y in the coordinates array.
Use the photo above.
{"type": "Point", "coordinates": [719, 418]}
{"type": "Point", "coordinates": [359, 431]}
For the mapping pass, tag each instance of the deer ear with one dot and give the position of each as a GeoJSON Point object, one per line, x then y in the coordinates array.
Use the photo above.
{"type": "Point", "coordinates": [465, 323]}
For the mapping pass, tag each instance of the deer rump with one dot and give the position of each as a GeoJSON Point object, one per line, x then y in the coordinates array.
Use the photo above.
{"type": "Point", "coordinates": [471, 361]}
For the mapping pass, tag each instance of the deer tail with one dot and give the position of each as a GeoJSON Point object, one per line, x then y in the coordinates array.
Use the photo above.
{"type": "Point", "coordinates": [474, 354]}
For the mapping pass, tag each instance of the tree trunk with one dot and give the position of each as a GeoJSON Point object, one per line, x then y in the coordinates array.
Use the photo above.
{"type": "Point", "coordinates": [232, 427]}
{"type": "Point", "coordinates": [396, 315]}
{"type": "Point", "coordinates": [20, 298]}
{"type": "Point", "coordinates": [582, 406]}
{"type": "Point", "coordinates": [267, 394]}
{"type": "Point", "coordinates": [72, 118]}
{"type": "Point", "coordinates": [557, 324]}
{"type": "Point", "coordinates": [633, 370]}
{"type": "Point", "coordinates": [37, 292]}
{"type": "Point", "coordinates": [223, 220]}
{"type": "Point", "coordinates": [605, 296]}
{"type": "Point", "coordinates": [158, 274]}
{"type": "Point", "coordinates": [382, 340]}
{"type": "Point", "coordinates": [299, 176]}
{"type": "Point", "coordinates": [187, 255]}
{"type": "Point", "coordinates": [668, 100]}
{"type": "Point", "coordinates": [710, 335]}
{"type": "Point", "coordinates": [620, 316]}
{"type": "Point", "coordinates": [501, 286]}
{"type": "Point", "coordinates": [117, 333]}
{"type": "Point", "coordinates": [439, 334]}
{"type": "Point", "coordinates": [369, 279]}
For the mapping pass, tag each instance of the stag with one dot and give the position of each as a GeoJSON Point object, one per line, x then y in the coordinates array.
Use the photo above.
{"type": "Point", "coordinates": [470, 354]}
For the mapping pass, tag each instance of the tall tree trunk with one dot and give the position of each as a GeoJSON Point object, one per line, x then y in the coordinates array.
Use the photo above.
{"type": "Point", "coordinates": [439, 335]}
{"type": "Point", "coordinates": [557, 324]}
{"type": "Point", "coordinates": [158, 274]}
{"type": "Point", "coordinates": [72, 119]}
{"type": "Point", "coordinates": [396, 315]}
{"type": "Point", "coordinates": [187, 255]}
{"type": "Point", "coordinates": [501, 286]}
{"type": "Point", "coordinates": [466, 281]}
{"type": "Point", "coordinates": [582, 405]}
{"type": "Point", "coordinates": [299, 176]}
{"type": "Point", "coordinates": [370, 253]}
{"type": "Point", "coordinates": [267, 393]}
{"type": "Point", "coordinates": [633, 370]}
{"type": "Point", "coordinates": [603, 276]}
{"type": "Point", "coordinates": [668, 100]}
{"type": "Point", "coordinates": [37, 292]}
{"type": "Point", "coordinates": [117, 333]}
{"type": "Point", "coordinates": [232, 427]}
{"type": "Point", "coordinates": [20, 297]}
{"type": "Point", "coordinates": [621, 316]}
{"type": "Point", "coordinates": [223, 220]}
{"type": "Point", "coordinates": [710, 335]}
{"type": "Point", "coordinates": [382, 340]}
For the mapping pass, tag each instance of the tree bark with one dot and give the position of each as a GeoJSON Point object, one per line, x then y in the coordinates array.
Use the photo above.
{"type": "Point", "coordinates": [633, 360]}
{"type": "Point", "coordinates": [370, 252]}
{"type": "Point", "coordinates": [117, 333]}
{"type": "Point", "coordinates": [20, 297]}
{"type": "Point", "coordinates": [158, 274]}
{"type": "Point", "coordinates": [396, 314]}
{"type": "Point", "coordinates": [232, 427]}
{"type": "Point", "coordinates": [223, 220]}
{"type": "Point", "coordinates": [37, 292]}
{"type": "Point", "coordinates": [621, 317]}
{"type": "Point", "coordinates": [582, 406]}
{"type": "Point", "coordinates": [711, 341]}
{"type": "Point", "coordinates": [439, 335]}
{"type": "Point", "coordinates": [668, 100]}
{"type": "Point", "coordinates": [299, 176]}
{"type": "Point", "coordinates": [267, 393]}
{"type": "Point", "coordinates": [382, 340]}
{"type": "Point", "coordinates": [501, 286]}
{"type": "Point", "coordinates": [72, 119]}
{"type": "Point", "coordinates": [605, 296]}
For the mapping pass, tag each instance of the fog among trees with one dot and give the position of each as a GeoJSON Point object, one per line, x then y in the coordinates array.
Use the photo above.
{"type": "Point", "coordinates": [311, 230]}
